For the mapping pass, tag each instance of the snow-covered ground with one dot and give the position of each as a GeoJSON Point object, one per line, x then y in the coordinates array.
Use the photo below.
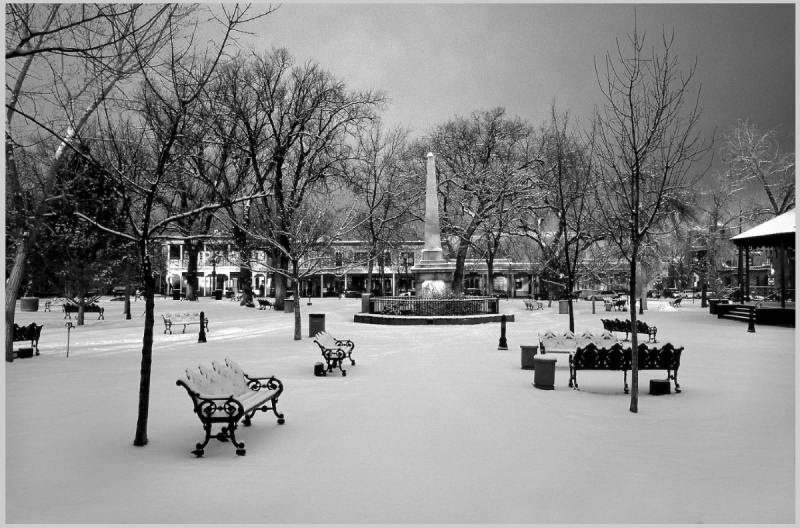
{"type": "Point", "coordinates": [433, 424]}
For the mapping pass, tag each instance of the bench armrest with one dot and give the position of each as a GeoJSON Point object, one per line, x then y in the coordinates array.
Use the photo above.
{"type": "Point", "coordinates": [270, 383]}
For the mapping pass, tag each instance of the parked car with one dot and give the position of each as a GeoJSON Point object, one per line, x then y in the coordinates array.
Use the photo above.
{"type": "Point", "coordinates": [670, 292]}
{"type": "Point", "coordinates": [473, 292]}
{"type": "Point", "coordinates": [500, 295]}
{"type": "Point", "coordinates": [352, 293]}
{"type": "Point", "coordinates": [586, 294]}
{"type": "Point", "coordinates": [689, 294]}
{"type": "Point", "coordinates": [603, 295]}
{"type": "Point", "coordinates": [407, 294]}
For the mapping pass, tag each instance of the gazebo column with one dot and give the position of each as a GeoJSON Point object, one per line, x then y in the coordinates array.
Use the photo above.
{"type": "Point", "coordinates": [783, 274]}
{"type": "Point", "coordinates": [747, 270]}
{"type": "Point", "coordinates": [741, 275]}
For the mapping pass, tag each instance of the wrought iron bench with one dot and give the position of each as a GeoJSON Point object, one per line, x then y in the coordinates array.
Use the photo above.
{"type": "Point", "coordinates": [334, 351]}
{"type": "Point", "coordinates": [625, 326]}
{"type": "Point", "coordinates": [28, 333]}
{"type": "Point", "coordinates": [616, 357]}
{"type": "Point", "coordinates": [619, 304]}
{"type": "Point", "coordinates": [185, 319]}
{"type": "Point", "coordinates": [71, 308]}
{"type": "Point", "coordinates": [225, 394]}
{"type": "Point", "coordinates": [264, 304]}
{"type": "Point", "coordinates": [530, 304]}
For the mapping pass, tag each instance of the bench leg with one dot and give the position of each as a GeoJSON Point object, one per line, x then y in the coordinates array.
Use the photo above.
{"type": "Point", "coordinates": [675, 379]}
{"type": "Point", "coordinates": [626, 380]}
{"type": "Point", "coordinates": [335, 361]}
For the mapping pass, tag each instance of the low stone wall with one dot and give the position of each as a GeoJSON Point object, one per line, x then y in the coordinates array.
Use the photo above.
{"type": "Point", "coordinates": [408, 320]}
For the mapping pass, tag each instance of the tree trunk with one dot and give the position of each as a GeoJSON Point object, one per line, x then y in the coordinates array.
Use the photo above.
{"type": "Point", "coordinates": [246, 285]}
{"type": "Point", "coordinates": [147, 359]}
{"type": "Point", "coordinates": [12, 288]}
{"type": "Point", "coordinates": [81, 309]}
{"type": "Point", "coordinates": [458, 274]}
{"type": "Point", "coordinates": [296, 290]}
{"type": "Point", "coordinates": [126, 305]}
{"type": "Point", "coordinates": [192, 249]}
{"type": "Point", "coordinates": [634, 342]}
{"type": "Point", "coordinates": [370, 266]}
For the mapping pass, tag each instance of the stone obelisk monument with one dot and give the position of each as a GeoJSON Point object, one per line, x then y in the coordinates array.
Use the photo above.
{"type": "Point", "coordinates": [433, 271]}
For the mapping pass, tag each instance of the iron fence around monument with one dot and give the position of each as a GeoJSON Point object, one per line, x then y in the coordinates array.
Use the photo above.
{"type": "Point", "coordinates": [432, 307]}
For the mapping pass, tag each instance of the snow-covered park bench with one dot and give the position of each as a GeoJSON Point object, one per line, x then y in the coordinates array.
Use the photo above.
{"type": "Point", "coordinates": [184, 318]}
{"type": "Point", "coordinates": [28, 333]}
{"type": "Point", "coordinates": [530, 304]}
{"type": "Point", "coordinates": [224, 395]}
{"type": "Point", "coordinates": [58, 301]}
{"type": "Point", "coordinates": [334, 351]}
{"type": "Point", "coordinates": [616, 357]}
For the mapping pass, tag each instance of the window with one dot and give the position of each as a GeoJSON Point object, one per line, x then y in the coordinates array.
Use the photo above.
{"type": "Point", "coordinates": [338, 259]}
{"type": "Point", "coordinates": [174, 252]}
{"type": "Point", "coordinates": [385, 259]}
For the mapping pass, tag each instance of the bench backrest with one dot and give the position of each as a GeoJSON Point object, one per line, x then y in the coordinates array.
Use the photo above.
{"type": "Point", "coordinates": [184, 317]}
{"type": "Point", "coordinates": [23, 333]}
{"type": "Point", "coordinates": [325, 339]}
{"type": "Point", "coordinates": [616, 357]}
{"type": "Point", "coordinates": [199, 383]}
{"type": "Point", "coordinates": [229, 378]}
{"type": "Point", "coordinates": [557, 341]}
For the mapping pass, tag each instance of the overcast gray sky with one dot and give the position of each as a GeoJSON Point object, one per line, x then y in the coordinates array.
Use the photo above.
{"type": "Point", "coordinates": [436, 61]}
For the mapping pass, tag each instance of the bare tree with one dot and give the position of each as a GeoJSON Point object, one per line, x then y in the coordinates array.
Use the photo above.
{"type": "Point", "coordinates": [484, 164]}
{"type": "Point", "coordinates": [383, 193]}
{"type": "Point", "coordinates": [646, 146]}
{"type": "Point", "coordinates": [562, 225]}
{"type": "Point", "coordinates": [296, 123]}
{"type": "Point", "coordinates": [62, 62]}
{"type": "Point", "coordinates": [317, 225]}
{"type": "Point", "coordinates": [140, 152]}
{"type": "Point", "coordinates": [755, 157]}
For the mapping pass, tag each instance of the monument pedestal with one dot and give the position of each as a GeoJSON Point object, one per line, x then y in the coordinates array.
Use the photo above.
{"type": "Point", "coordinates": [437, 275]}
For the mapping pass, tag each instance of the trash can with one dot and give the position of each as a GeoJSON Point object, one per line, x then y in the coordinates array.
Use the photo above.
{"type": "Point", "coordinates": [528, 354]}
{"type": "Point", "coordinates": [545, 372]}
{"type": "Point", "coordinates": [29, 304]}
{"type": "Point", "coordinates": [25, 353]}
{"type": "Point", "coordinates": [316, 324]}
{"type": "Point", "coordinates": [713, 303]}
{"type": "Point", "coordinates": [319, 369]}
{"type": "Point", "coordinates": [176, 295]}
{"type": "Point", "coordinates": [563, 306]}
{"type": "Point", "coordinates": [288, 306]}
{"type": "Point", "coordinates": [217, 295]}
{"type": "Point", "coordinates": [659, 387]}
{"type": "Point", "coordinates": [608, 306]}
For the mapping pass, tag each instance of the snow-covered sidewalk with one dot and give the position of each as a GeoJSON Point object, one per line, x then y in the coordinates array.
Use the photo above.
{"type": "Point", "coordinates": [433, 424]}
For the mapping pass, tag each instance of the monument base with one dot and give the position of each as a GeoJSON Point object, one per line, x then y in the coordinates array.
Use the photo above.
{"type": "Point", "coordinates": [434, 275]}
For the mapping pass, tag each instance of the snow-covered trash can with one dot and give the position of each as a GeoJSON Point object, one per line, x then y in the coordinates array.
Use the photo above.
{"type": "Point", "coordinates": [544, 376]}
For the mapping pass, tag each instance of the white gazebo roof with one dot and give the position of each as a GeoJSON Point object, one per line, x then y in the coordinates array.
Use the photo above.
{"type": "Point", "coordinates": [782, 226]}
